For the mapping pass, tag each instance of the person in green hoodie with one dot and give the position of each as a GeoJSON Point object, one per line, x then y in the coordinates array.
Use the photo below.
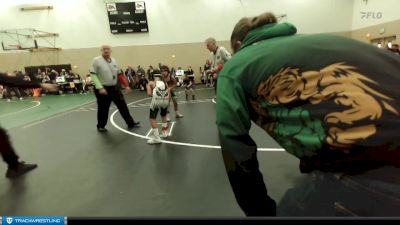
{"type": "Point", "coordinates": [331, 101]}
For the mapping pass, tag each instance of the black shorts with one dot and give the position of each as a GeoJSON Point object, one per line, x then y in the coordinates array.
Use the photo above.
{"type": "Point", "coordinates": [153, 113]}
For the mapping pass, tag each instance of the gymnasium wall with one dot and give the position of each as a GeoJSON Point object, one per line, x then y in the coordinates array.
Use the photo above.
{"type": "Point", "coordinates": [84, 23]}
{"type": "Point", "coordinates": [176, 28]}
{"type": "Point", "coordinates": [380, 12]}
{"type": "Point", "coordinates": [372, 32]}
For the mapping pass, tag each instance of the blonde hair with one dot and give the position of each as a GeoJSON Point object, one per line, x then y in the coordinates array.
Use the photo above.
{"type": "Point", "coordinates": [247, 24]}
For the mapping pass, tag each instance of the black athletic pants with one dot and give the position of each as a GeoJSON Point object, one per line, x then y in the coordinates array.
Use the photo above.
{"type": "Point", "coordinates": [248, 184]}
{"type": "Point", "coordinates": [104, 101]}
{"type": "Point", "coordinates": [7, 151]}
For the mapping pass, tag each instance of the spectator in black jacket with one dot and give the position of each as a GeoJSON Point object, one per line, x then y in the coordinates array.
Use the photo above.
{"type": "Point", "coordinates": [15, 167]}
{"type": "Point", "coordinates": [142, 82]}
{"type": "Point", "coordinates": [150, 73]}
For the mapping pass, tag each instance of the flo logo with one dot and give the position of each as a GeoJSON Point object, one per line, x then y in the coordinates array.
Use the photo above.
{"type": "Point", "coordinates": [9, 220]}
{"type": "Point", "coordinates": [371, 15]}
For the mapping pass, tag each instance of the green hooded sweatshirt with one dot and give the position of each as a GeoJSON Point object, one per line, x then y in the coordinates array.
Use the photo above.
{"type": "Point", "coordinates": [321, 97]}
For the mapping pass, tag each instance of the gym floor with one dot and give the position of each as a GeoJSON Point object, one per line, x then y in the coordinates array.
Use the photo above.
{"type": "Point", "coordinates": [85, 173]}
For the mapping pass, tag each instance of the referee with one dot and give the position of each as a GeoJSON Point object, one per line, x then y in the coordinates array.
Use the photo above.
{"type": "Point", "coordinates": [108, 78]}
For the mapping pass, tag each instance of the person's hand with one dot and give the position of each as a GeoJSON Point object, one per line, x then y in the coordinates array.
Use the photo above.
{"type": "Point", "coordinates": [50, 87]}
{"type": "Point", "coordinates": [103, 91]}
{"type": "Point", "coordinates": [128, 90]}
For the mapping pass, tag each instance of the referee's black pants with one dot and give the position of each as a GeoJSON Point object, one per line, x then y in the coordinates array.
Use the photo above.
{"type": "Point", "coordinates": [7, 151]}
{"type": "Point", "coordinates": [115, 95]}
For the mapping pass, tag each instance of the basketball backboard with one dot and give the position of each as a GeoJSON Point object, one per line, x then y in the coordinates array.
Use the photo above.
{"type": "Point", "coordinates": [27, 39]}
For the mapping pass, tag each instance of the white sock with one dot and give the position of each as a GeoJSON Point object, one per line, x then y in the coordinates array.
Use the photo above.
{"type": "Point", "coordinates": [156, 133]}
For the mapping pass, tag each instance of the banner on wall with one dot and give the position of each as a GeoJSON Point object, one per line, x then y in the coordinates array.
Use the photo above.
{"type": "Point", "coordinates": [127, 17]}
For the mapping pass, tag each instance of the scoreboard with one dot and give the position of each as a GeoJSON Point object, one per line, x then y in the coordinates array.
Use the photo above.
{"type": "Point", "coordinates": [127, 17]}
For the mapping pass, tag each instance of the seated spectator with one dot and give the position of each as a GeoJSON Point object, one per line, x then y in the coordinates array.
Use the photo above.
{"type": "Point", "coordinates": [39, 76]}
{"type": "Point", "coordinates": [61, 81]}
{"type": "Point", "coordinates": [21, 75]}
{"type": "Point", "coordinates": [203, 76]}
{"type": "Point", "coordinates": [141, 79]}
{"type": "Point", "coordinates": [130, 75]}
{"type": "Point", "coordinates": [28, 91]}
{"type": "Point", "coordinates": [1, 91]}
{"type": "Point", "coordinates": [52, 74]}
{"type": "Point", "coordinates": [46, 78]}
{"type": "Point", "coordinates": [63, 72]}
{"type": "Point", "coordinates": [9, 90]}
{"type": "Point", "coordinates": [88, 84]}
{"type": "Point", "coordinates": [27, 77]}
{"type": "Point", "coordinates": [150, 73]}
{"type": "Point", "coordinates": [189, 71]}
{"type": "Point", "coordinates": [143, 83]}
{"type": "Point", "coordinates": [78, 82]}
{"type": "Point", "coordinates": [189, 83]}
{"type": "Point", "coordinates": [69, 78]}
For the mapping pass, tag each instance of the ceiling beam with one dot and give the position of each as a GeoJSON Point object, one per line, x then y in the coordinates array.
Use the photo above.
{"type": "Point", "coordinates": [36, 7]}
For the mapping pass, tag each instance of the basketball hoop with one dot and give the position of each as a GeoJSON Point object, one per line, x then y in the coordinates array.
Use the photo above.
{"type": "Point", "coordinates": [27, 39]}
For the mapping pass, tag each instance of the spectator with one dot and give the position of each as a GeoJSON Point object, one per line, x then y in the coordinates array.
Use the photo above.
{"type": "Point", "coordinates": [78, 84]}
{"type": "Point", "coordinates": [190, 71]}
{"type": "Point", "coordinates": [28, 91]}
{"type": "Point", "coordinates": [141, 79]}
{"type": "Point", "coordinates": [21, 75]}
{"type": "Point", "coordinates": [173, 72]}
{"type": "Point", "coordinates": [207, 66]}
{"type": "Point", "coordinates": [52, 74]}
{"type": "Point", "coordinates": [39, 77]}
{"type": "Point", "coordinates": [87, 84]}
{"type": "Point", "coordinates": [150, 73]}
{"type": "Point", "coordinates": [10, 90]}
{"type": "Point", "coordinates": [46, 78]}
{"type": "Point", "coordinates": [190, 83]}
{"type": "Point", "coordinates": [63, 73]}
{"type": "Point", "coordinates": [203, 76]}
{"type": "Point", "coordinates": [209, 76]}
{"type": "Point", "coordinates": [130, 75]}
